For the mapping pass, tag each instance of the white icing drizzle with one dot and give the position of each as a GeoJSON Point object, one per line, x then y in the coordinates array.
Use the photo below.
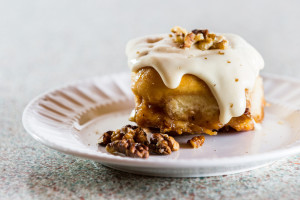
{"type": "Point", "coordinates": [240, 62]}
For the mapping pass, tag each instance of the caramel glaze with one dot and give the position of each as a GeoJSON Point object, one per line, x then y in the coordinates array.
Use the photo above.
{"type": "Point", "coordinates": [152, 98]}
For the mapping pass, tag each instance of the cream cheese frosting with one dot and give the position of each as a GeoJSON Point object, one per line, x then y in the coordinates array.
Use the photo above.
{"type": "Point", "coordinates": [226, 72]}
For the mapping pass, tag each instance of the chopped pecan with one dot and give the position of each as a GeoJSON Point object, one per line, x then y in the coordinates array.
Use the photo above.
{"type": "Point", "coordinates": [117, 135]}
{"type": "Point", "coordinates": [127, 132]}
{"type": "Point", "coordinates": [220, 45]}
{"type": "Point", "coordinates": [141, 136]}
{"type": "Point", "coordinates": [129, 148]}
{"type": "Point", "coordinates": [163, 144]}
{"type": "Point", "coordinates": [134, 133]}
{"type": "Point", "coordinates": [129, 126]}
{"type": "Point", "coordinates": [138, 150]}
{"type": "Point", "coordinates": [105, 138]}
{"type": "Point", "coordinates": [205, 44]}
{"type": "Point", "coordinates": [196, 141]}
{"type": "Point", "coordinates": [189, 40]}
{"type": "Point", "coordinates": [129, 140]}
{"type": "Point", "coordinates": [180, 34]}
{"type": "Point", "coordinates": [201, 38]}
{"type": "Point", "coordinates": [204, 32]}
{"type": "Point", "coordinates": [179, 31]}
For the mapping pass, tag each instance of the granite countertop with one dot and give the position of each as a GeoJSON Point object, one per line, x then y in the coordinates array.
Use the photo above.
{"type": "Point", "coordinates": [44, 44]}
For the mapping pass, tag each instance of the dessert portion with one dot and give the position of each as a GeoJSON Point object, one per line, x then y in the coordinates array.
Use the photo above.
{"type": "Point", "coordinates": [195, 82]}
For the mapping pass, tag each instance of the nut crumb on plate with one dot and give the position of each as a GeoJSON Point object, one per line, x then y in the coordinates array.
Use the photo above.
{"type": "Point", "coordinates": [163, 144]}
{"type": "Point", "coordinates": [196, 141]}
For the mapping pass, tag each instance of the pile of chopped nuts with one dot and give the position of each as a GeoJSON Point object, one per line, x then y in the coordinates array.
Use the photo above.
{"type": "Point", "coordinates": [132, 141]}
{"type": "Point", "coordinates": [202, 39]}
{"type": "Point", "coordinates": [129, 140]}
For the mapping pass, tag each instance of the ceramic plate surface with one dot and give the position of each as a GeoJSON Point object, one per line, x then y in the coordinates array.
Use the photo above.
{"type": "Point", "coordinates": [71, 119]}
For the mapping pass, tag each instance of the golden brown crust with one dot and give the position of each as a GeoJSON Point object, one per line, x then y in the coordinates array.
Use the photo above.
{"type": "Point", "coordinates": [189, 108]}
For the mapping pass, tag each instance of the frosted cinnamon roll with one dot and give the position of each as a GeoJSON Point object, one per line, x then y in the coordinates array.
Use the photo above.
{"type": "Point", "coordinates": [195, 82]}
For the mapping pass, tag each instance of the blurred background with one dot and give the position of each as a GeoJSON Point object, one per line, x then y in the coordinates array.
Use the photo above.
{"type": "Point", "coordinates": [52, 42]}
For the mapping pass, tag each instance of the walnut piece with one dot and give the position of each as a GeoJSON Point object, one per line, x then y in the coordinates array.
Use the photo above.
{"type": "Point", "coordinates": [129, 148]}
{"type": "Point", "coordinates": [202, 39]}
{"type": "Point", "coordinates": [204, 32]}
{"type": "Point", "coordinates": [132, 141]}
{"type": "Point", "coordinates": [129, 140]}
{"type": "Point", "coordinates": [179, 34]}
{"type": "Point", "coordinates": [105, 138]}
{"type": "Point", "coordinates": [196, 141]}
{"type": "Point", "coordinates": [163, 144]}
{"type": "Point", "coordinates": [133, 133]}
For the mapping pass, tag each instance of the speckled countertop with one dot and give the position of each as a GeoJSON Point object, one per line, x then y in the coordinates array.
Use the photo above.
{"type": "Point", "coordinates": [44, 44]}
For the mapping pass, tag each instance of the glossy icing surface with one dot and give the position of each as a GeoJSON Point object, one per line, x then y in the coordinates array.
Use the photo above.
{"type": "Point", "coordinates": [226, 72]}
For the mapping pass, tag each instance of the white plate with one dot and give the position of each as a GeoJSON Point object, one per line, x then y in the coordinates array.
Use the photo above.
{"type": "Point", "coordinates": [71, 119]}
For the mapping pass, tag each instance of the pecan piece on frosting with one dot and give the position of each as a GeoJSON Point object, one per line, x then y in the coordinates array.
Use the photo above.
{"type": "Point", "coordinates": [203, 39]}
{"type": "Point", "coordinates": [204, 32]}
{"type": "Point", "coordinates": [189, 40]}
{"type": "Point", "coordinates": [179, 34]}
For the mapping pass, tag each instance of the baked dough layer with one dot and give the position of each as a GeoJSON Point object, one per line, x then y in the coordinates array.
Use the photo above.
{"type": "Point", "coordinates": [189, 108]}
